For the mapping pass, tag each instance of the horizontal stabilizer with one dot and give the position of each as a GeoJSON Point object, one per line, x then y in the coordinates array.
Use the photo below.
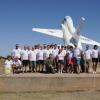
{"type": "Point", "coordinates": [88, 41]}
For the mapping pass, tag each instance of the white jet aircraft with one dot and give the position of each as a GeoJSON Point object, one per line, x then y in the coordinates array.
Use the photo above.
{"type": "Point", "coordinates": [69, 33]}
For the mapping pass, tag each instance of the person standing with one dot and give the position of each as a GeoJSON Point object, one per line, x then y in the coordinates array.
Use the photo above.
{"type": "Point", "coordinates": [24, 58]}
{"type": "Point", "coordinates": [99, 57]}
{"type": "Point", "coordinates": [16, 52]}
{"type": "Point", "coordinates": [60, 58]}
{"type": "Point", "coordinates": [95, 55]}
{"type": "Point", "coordinates": [46, 53]}
{"type": "Point", "coordinates": [77, 58]}
{"type": "Point", "coordinates": [40, 62]}
{"type": "Point", "coordinates": [70, 60]}
{"type": "Point", "coordinates": [87, 58]}
{"type": "Point", "coordinates": [32, 59]}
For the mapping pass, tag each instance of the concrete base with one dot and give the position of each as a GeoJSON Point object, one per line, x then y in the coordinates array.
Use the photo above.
{"type": "Point", "coordinates": [51, 82]}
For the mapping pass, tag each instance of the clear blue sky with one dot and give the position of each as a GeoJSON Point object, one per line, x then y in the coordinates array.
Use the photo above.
{"type": "Point", "coordinates": [18, 17]}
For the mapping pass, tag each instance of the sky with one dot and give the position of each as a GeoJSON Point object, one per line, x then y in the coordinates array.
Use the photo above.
{"type": "Point", "coordinates": [18, 17]}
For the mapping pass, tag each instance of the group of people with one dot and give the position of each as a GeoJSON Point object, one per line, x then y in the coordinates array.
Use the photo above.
{"type": "Point", "coordinates": [52, 58]}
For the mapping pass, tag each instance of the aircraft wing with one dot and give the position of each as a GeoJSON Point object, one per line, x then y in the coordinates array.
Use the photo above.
{"type": "Point", "coordinates": [86, 40]}
{"type": "Point", "coordinates": [52, 32]}
{"type": "Point", "coordinates": [58, 33]}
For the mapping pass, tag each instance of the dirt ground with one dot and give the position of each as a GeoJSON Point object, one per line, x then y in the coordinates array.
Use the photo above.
{"type": "Point", "coordinates": [85, 95]}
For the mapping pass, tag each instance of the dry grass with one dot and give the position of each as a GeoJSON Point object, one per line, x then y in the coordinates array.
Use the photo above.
{"type": "Point", "coordinates": [2, 66]}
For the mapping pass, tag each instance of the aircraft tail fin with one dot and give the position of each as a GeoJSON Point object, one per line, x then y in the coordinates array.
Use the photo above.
{"type": "Point", "coordinates": [80, 26]}
{"type": "Point", "coordinates": [76, 35]}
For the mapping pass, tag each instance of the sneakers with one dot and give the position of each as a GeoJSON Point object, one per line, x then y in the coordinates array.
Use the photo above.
{"type": "Point", "coordinates": [94, 72]}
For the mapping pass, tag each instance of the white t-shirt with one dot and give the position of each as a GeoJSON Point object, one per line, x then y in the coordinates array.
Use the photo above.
{"type": "Point", "coordinates": [70, 54]}
{"type": "Point", "coordinates": [64, 52]}
{"type": "Point", "coordinates": [24, 54]}
{"type": "Point", "coordinates": [39, 55]}
{"type": "Point", "coordinates": [48, 53]}
{"type": "Point", "coordinates": [55, 52]}
{"type": "Point", "coordinates": [16, 53]}
{"type": "Point", "coordinates": [87, 54]}
{"type": "Point", "coordinates": [60, 56]}
{"type": "Point", "coordinates": [8, 64]}
{"type": "Point", "coordinates": [95, 53]}
{"type": "Point", "coordinates": [77, 53]}
{"type": "Point", "coordinates": [45, 54]}
{"type": "Point", "coordinates": [32, 55]}
{"type": "Point", "coordinates": [36, 50]}
{"type": "Point", "coordinates": [51, 50]}
{"type": "Point", "coordinates": [17, 63]}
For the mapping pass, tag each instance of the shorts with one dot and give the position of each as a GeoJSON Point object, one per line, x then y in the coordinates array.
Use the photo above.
{"type": "Point", "coordinates": [32, 64]}
{"type": "Point", "coordinates": [25, 62]}
{"type": "Point", "coordinates": [95, 60]}
{"type": "Point", "coordinates": [70, 61]}
{"type": "Point", "coordinates": [87, 61]}
{"type": "Point", "coordinates": [77, 61]}
{"type": "Point", "coordinates": [61, 61]}
{"type": "Point", "coordinates": [99, 59]}
{"type": "Point", "coordinates": [40, 62]}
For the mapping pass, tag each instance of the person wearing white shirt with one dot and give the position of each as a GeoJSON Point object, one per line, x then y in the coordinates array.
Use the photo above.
{"type": "Point", "coordinates": [60, 58]}
{"type": "Point", "coordinates": [24, 58]}
{"type": "Point", "coordinates": [87, 58]}
{"type": "Point", "coordinates": [45, 53]}
{"type": "Point", "coordinates": [48, 52]}
{"type": "Point", "coordinates": [36, 51]}
{"type": "Point", "coordinates": [16, 65]}
{"type": "Point", "coordinates": [95, 55]}
{"type": "Point", "coordinates": [8, 65]}
{"type": "Point", "coordinates": [40, 61]}
{"type": "Point", "coordinates": [45, 56]}
{"type": "Point", "coordinates": [51, 51]}
{"type": "Point", "coordinates": [77, 58]}
{"type": "Point", "coordinates": [64, 50]}
{"type": "Point", "coordinates": [32, 59]}
{"type": "Point", "coordinates": [55, 52]}
{"type": "Point", "coordinates": [69, 58]}
{"type": "Point", "coordinates": [99, 57]}
{"type": "Point", "coordinates": [16, 52]}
